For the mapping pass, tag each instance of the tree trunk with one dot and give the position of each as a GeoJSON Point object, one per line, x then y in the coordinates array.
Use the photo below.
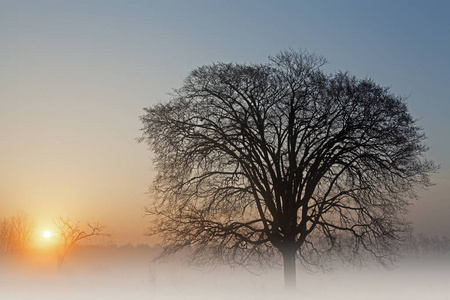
{"type": "Point", "coordinates": [290, 276]}
{"type": "Point", "coordinates": [59, 262]}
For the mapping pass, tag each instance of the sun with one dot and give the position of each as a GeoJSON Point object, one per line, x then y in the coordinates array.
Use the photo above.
{"type": "Point", "coordinates": [47, 234]}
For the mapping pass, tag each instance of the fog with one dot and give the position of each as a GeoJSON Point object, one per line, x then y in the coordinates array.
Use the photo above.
{"type": "Point", "coordinates": [130, 272]}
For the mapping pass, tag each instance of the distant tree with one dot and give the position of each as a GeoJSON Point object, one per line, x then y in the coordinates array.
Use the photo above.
{"type": "Point", "coordinates": [16, 233]}
{"type": "Point", "coordinates": [425, 246]}
{"type": "Point", "coordinates": [259, 159]}
{"type": "Point", "coordinates": [71, 233]}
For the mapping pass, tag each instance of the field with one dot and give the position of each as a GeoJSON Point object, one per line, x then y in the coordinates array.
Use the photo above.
{"type": "Point", "coordinates": [130, 273]}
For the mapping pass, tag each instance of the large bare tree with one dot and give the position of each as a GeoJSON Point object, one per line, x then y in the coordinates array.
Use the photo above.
{"type": "Point", "coordinates": [258, 159]}
{"type": "Point", "coordinates": [72, 233]}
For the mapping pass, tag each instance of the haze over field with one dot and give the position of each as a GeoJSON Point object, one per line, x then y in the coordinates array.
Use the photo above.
{"type": "Point", "coordinates": [76, 75]}
{"type": "Point", "coordinates": [129, 272]}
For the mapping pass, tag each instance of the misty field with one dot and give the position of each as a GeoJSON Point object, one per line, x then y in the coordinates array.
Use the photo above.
{"type": "Point", "coordinates": [129, 272]}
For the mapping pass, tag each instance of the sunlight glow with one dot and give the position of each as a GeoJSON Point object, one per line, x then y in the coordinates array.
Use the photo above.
{"type": "Point", "coordinates": [47, 234]}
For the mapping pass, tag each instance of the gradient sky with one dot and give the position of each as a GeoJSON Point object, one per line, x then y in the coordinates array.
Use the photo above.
{"type": "Point", "coordinates": [75, 75]}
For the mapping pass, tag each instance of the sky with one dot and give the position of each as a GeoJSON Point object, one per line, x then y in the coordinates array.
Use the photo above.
{"type": "Point", "coordinates": [76, 75]}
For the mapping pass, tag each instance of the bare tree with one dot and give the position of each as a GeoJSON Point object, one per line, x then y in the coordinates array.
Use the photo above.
{"type": "Point", "coordinates": [16, 233]}
{"type": "Point", "coordinates": [71, 233]}
{"type": "Point", "coordinates": [280, 158]}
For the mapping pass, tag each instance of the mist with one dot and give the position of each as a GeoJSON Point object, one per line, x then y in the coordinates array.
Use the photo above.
{"type": "Point", "coordinates": [131, 272]}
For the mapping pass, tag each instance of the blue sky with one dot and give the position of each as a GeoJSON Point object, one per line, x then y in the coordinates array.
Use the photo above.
{"type": "Point", "coordinates": [75, 76]}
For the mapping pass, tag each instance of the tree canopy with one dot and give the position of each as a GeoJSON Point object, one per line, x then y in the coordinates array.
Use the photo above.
{"type": "Point", "coordinates": [256, 160]}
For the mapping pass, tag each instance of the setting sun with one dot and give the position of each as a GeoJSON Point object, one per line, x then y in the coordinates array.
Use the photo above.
{"type": "Point", "coordinates": [47, 234]}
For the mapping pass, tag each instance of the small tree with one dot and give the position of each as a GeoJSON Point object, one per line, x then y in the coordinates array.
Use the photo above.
{"type": "Point", "coordinates": [16, 233]}
{"type": "Point", "coordinates": [255, 160]}
{"type": "Point", "coordinates": [71, 233]}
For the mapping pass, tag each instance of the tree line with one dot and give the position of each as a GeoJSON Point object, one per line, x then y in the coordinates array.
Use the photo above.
{"type": "Point", "coordinates": [17, 233]}
{"type": "Point", "coordinates": [427, 246]}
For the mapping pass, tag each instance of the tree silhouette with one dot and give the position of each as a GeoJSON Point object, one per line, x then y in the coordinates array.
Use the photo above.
{"type": "Point", "coordinates": [71, 233]}
{"type": "Point", "coordinates": [259, 160]}
{"type": "Point", "coordinates": [16, 233]}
